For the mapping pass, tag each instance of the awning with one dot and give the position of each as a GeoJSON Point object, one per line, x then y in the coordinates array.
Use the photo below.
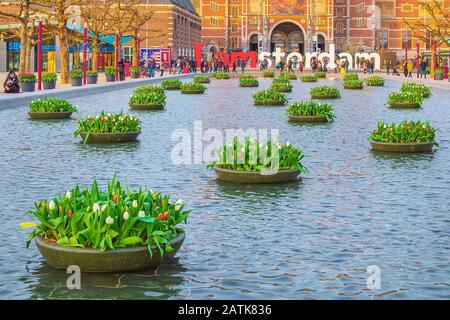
{"type": "Point", "coordinates": [109, 39]}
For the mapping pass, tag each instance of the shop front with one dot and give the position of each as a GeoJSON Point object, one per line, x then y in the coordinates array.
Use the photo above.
{"type": "Point", "coordinates": [105, 56]}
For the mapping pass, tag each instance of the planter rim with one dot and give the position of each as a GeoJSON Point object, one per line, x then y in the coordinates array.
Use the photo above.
{"type": "Point", "coordinates": [50, 115]}
{"type": "Point", "coordinates": [308, 118]}
{"type": "Point", "coordinates": [147, 106]}
{"type": "Point", "coordinates": [111, 133]}
{"type": "Point", "coordinates": [171, 88]}
{"type": "Point", "coordinates": [402, 147]}
{"type": "Point", "coordinates": [351, 87]}
{"type": "Point", "coordinates": [404, 105]}
{"type": "Point", "coordinates": [192, 91]}
{"type": "Point", "coordinates": [269, 103]}
{"type": "Point", "coordinates": [255, 177]}
{"type": "Point", "coordinates": [375, 85]}
{"type": "Point", "coordinates": [248, 85]}
{"type": "Point", "coordinates": [402, 143]}
{"type": "Point", "coordinates": [179, 237]}
{"type": "Point", "coordinates": [314, 96]}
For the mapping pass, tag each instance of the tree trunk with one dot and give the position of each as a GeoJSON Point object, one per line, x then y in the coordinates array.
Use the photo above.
{"type": "Point", "coordinates": [136, 53]}
{"type": "Point", "coordinates": [23, 46]}
{"type": "Point", "coordinates": [29, 52]}
{"type": "Point", "coordinates": [62, 35]}
{"type": "Point", "coordinates": [95, 53]}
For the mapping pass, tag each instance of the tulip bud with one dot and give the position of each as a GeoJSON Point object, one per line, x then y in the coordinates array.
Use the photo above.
{"type": "Point", "coordinates": [69, 213]}
{"type": "Point", "coordinates": [135, 204]}
{"type": "Point", "coordinates": [160, 216]}
{"type": "Point", "coordinates": [109, 220]}
{"type": "Point", "coordinates": [51, 205]}
{"type": "Point", "coordinates": [96, 207]}
{"type": "Point", "coordinates": [104, 207]}
{"type": "Point", "coordinates": [178, 205]}
{"type": "Point", "coordinates": [69, 195]}
{"type": "Point", "coordinates": [141, 214]}
{"type": "Point", "coordinates": [126, 215]}
{"type": "Point", "coordinates": [166, 215]}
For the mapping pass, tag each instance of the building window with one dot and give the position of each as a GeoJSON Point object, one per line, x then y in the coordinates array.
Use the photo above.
{"type": "Point", "coordinates": [339, 27]}
{"type": "Point", "coordinates": [361, 23]}
{"type": "Point", "coordinates": [407, 7]}
{"type": "Point", "coordinates": [214, 21]}
{"type": "Point", "coordinates": [383, 37]}
{"type": "Point", "coordinates": [234, 27]}
{"type": "Point", "coordinates": [127, 53]}
{"type": "Point", "coordinates": [406, 39]}
{"type": "Point", "coordinates": [214, 6]}
{"type": "Point", "coordinates": [234, 12]}
{"type": "Point", "coordinates": [234, 42]}
{"type": "Point", "coordinates": [340, 12]}
{"type": "Point", "coordinates": [361, 7]}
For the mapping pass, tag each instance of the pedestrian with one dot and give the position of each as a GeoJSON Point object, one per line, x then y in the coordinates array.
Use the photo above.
{"type": "Point", "coordinates": [405, 69]}
{"type": "Point", "coordinates": [151, 67]}
{"type": "Point", "coordinates": [346, 65]}
{"type": "Point", "coordinates": [162, 67]}
{"type": "Point", "coordinates": [234, 66]}
{"type": "Point", "coordinates": [11, 84]}
{"type": "Point", "coordinates": [121, 68]}
{"type": "Point", "coordinates": [410, 68]}
{"type": "Point", "coordinates": [301, 66]}
{"type": "Point", "coordinates": [423, 68]}
{"type": "Point", "coordinates": [394, 71]}
{"type": "Point", "coordinates": [388, 66]}
{"type": "Point", "coordinates": [290, 64]}
{"type": "Point", "coordinates": [243, 66]}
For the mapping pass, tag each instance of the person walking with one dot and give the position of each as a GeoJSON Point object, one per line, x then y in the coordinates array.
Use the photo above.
{"type": "Point", "coordinates": [290, 64]}
{"type": "Point", "coordinates": [423, 69]}
{"type": "Point", "coordinates": [121, 68]}
{"type": "Point", "coordinates": [388, 66]}
{"type": "Point", "coordinates": [346, 65]}
{"type": "Point", "coordinates": [151, 67]}
{"type": "Point", "coordinates": [405, 68]}
{"type": "Point", "coordinates": [301, 66]}
{"type": "Point", "coordinates": [410, 67]}
{"type": "Point", "coordinates": [162, 67]}
{"type": "Point", "coordinates": [11, 84]}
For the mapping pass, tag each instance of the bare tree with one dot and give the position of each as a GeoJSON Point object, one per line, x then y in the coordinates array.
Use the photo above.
{"type": "Point", "coordinates": [23, 18]}
{"type": "Point", "coordinates": [438, 29]}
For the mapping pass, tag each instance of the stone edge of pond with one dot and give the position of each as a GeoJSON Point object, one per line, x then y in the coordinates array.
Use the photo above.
{"type": "Point", "coordinates": [23, 99]}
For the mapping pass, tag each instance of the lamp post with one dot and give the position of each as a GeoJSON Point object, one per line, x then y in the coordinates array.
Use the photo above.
{"type": "Point", "coordinates": [39, 63]}
{"type": "Point", "coordinates": [84, 53]}
{"type": "Point", "coordinates": [117, 56]}
{"type": "Point", "coordinates": [417, 58]}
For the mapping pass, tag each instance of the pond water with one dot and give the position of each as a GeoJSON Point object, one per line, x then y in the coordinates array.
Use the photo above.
{"type": "Point", "coordinates": [308, 240]}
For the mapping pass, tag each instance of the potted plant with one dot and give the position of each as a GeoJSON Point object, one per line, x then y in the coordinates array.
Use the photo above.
{"type": "Point", "coordinates": [375, 81]}
{"type": "Point", "coordinates": [269, 98]}
{"type": "Point", "coordinates": [418, 88]}
{"type": "Point", "coordinates": [246, 76]}
{"type": "Point", "coordinates": [353, 84]}
{"type": "Point", "coordinates": [350, 76]}
{"type": "Point", "coordinates": [76, 77]}
{"type": "Point", "coordinates": [310, 111]}
{"type": "Point", "coordinates": [254, 162]}
{"type": "Point", "coordinates": [110, 74]}
{"type": "Point", "coordinates": [320, 74]}
{"type": "Point", "coordinates": [288, 75]}
{"type": "Point", "coordinates": [324, 92]}
{"type": "Point", "coordinates": [51, 108]}
{"type": "Point", "coordinates": [134, 72]}
{"type": "Point", "coordinates": [92, 77]}
{"type": "Point", "coordinates": [407, 99]}
{"type": "Point", "coordinates": [203, 79]}
{"type": "Point", "coordinates": [171, 84]}
{"type": "Point", "coordinates": [247, 82]}
{"type": "Point", "coordinates": [269, 74]}
{"type": "Point", "coordinates": [144, 99]}
{"type": "Point", "coordinates": [113, 230]}
{"type": "Point", "coordinates": [221, 75]}
{"type": "Point", "coordinates": [192, 88]}
{"type": "Point", "coordinates": [281, 85]}
{"type": "Point", "coordinates": [439, 74]}
{"type": "Point", "coordinates": [49, 80]}
{"type": "Point", "coordinates": [406, 137]}
{"type": "Point", "coordinates": [309, 78]}
{"type": "Point", "coordinates": [27, 81]}
{"type": "Point", "coordinates": [108, 128]}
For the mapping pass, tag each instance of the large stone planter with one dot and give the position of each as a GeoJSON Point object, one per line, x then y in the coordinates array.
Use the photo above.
{"type": "Point", "coordinates": [192, 91]}
{"type": "Point", "coordinates": [203, 81]}
{"type": "Point", "coordinates": [110, 137]}
{"type": "Point", "coordinates": [172, 88]}
{"type": "Point", "coordinates": [49, 85]}
{"type": "Point", "coordinates": [268, 75]}
{"type": "Point", "coordinates": [324, 97]}
{"type": "Point", "coordinates": [354, 87]}
{"type": "Point", "coordinates": [269, 103]}
{"type": "Point", "coordinates": [76, 82]}
{"type": "Point", "coordinates": [49, 115]}
{"type": "Point", "coordinates": [154, 106]}
{"type": "Point", "coordinates": [438, 77]}
{"type": "Point", "coordinates": [134, 75]}
{"type": "Point", "coordinates": [110, 77]}
{"type": "Point", "coordinates": [249, 85]}
{"type": "Point", "coordinates": [91, 79]}
{"type": "Point", "coordinates": [28, 86]}
{"type": "Point", "coordinates": [404, 105]}
{"type": "Point", "coordinates": [117, 260]}
{"type": "Point", "coordinates": [308, 119]}
{"type": "Point", "coordinates": [256, 176]}
{"type": "Point", "coordinates": [375, 84]}
{"type": "Point", "coordinates": [402, 147]}
{"type": "Point", "coordinates": [283, 90]}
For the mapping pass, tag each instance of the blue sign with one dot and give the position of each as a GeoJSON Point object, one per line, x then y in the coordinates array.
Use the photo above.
{"type": "Point", "coordinates": [14, 46]}
{"type": "Point", "coordinates": [79, 48]}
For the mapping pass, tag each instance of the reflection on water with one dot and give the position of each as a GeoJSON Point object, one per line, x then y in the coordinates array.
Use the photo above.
{"type": "Point", "coordinates": [312, 239]}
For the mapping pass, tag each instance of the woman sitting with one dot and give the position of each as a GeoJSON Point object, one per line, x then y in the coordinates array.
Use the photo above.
{"type": "Point", "coordinates": [11, 84]}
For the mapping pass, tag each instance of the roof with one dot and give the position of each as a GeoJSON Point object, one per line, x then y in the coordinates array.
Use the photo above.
{"type": "Point", "coordinates": [183, 4]}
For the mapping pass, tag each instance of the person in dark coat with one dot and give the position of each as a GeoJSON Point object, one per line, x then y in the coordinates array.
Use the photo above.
{"type": "Point", "coordinates": [11, 84]}
{"type": "Point", "coordinates": [121, 67]}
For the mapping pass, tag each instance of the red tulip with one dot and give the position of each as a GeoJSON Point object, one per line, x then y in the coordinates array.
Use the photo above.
{"type": "Point", "coordinates": [69, 213]}
{"type": "Point", "coordinates": [116, 199]}
{"type": "Point", "coordinates": [166, 215]}
{"type": "Point", "coordinates": [160, 216]}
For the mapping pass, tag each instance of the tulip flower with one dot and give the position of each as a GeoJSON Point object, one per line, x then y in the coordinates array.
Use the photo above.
{"type": "Point", "coordinates": [178, 204]}
{"type": "Point", "coordinates": [116, 199]}
{"type": "Point", "coordinates": [69, 195]}
{"type": "Point", "coordinates": [109, 220]}
{"type": "Point", "coordinates": [166, 215]}
{"type": "Point", "coordinates": [287, 144]}
{"type": "Point", "coordinates": [104, 207]}
{"type": "Point", "coordinates": [96, 207]}
{"type": "Point", "coordinates": [135, 204]}
{"type": "Point", "coordinates": [126, 215]}
{"type": "Point", "coordinates": [51, 206]}
{"type": "Point", "coordinates": [141, 214]}
{"type": "Point", "coordinates": [26, 225]}
{"type": "Point", "coordinates": [160, 216]}
{"type": "Point", "coordinates": [69, 213]}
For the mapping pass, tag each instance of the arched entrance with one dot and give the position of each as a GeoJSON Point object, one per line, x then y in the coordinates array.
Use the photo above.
{"type": "Point", "coordinates": [289, 37]}
{"type": "Point", "coordinates": [253, 43]}
{"type": "Point", "coordinates": [320, 43]}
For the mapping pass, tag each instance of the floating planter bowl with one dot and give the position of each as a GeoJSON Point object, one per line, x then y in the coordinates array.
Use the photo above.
{"type": "Point", "coordinates": [256, 177]}
{"type": "Point", "coordinates": [203, 80]}
{"type": "Point", "coordinates": [309, 79]}
{"type": "Point", "coordinates": [313, 96]}
{"type": "Point", "coordinates": [117, 260]}
{"type": "Point", "coordinates": [49, 115]}
{"type": "Point", "coordinates": [249, 85]}
{"type": "Point", "coordinates": [353, 87]}
{"type": "Point", "coordinates": [192, 91]}
{"type": "Point", "coordinates": [269, 103]}
{"type": "Point", "coordinates": [172, 88]}
{"type": "Point", "coordinates": [405, 105]}
{"type": "Point", "coordinates": [402, 147]}
{"type": "Point", "coordinates": [308, 119]}
{"type": "Point", "coordinates": [375, 84]}
{"type": "Point", "coordinates": [282, 90]}
{"type": "Point", "coordinates": [153, 106]}
{"type": "Point", "coordinates": [268, 74]}
{"type": "Point", "coordinates": [110, 137]}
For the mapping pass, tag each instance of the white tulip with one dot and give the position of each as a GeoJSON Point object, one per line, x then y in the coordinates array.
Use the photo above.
{"type": "Point", "coordinates": [126, 215]}
{"type": "Point", "coordinates": [141, 214]}
{"type": "Point", "coordinates": [178, 204]}
{"type": "Point", "coordinates": [287, 144]}
{"type": "Point", "coordinates": [69, 195]}
{"type": "Point", "coordinates": [51, 205]}
{"type": "Point", "coordinates": [109, 220]}
{"type": "Point", "coordinates": [104, 207]}
{"type": "Point", "coordinates": [135, 204]}
{"type": "Point", "coordinates": [96, 207]}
